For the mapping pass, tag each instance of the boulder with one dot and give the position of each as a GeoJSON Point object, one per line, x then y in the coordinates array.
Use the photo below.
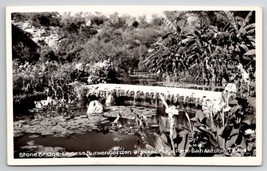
{"type": "Point", "coordinates": [95, 107]}
{"type": "Point", "coordinates": [110, 101]}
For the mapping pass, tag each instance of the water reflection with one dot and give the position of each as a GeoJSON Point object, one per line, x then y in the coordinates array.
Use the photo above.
{"type": "Point", "coordinates": [107, 134]}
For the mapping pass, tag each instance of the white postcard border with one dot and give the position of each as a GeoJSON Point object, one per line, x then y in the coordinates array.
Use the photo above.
{"type": "Point", "coordinates": [237, 161]}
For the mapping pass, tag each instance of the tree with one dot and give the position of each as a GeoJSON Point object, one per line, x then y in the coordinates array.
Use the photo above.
{"type": "Point", "coordinates": [23, 47]}
{"type": "Point", "coordinates": [214, 37]}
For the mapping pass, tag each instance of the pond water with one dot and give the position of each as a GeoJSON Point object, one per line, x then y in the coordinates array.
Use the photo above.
{"type": "Point", "coordinates": [103, 135]}
{"type": "Point", "coordinates": [91, 141]}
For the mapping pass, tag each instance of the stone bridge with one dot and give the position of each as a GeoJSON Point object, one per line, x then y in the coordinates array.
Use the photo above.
{"type": "Point", "coordinates": [152, 92]}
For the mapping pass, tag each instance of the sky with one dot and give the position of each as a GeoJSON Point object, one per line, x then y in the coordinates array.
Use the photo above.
{"type": "Point", "coordinates": [135, 12]}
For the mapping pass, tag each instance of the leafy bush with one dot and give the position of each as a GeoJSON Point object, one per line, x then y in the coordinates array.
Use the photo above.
{"type": "Point", "coordinates": [102, 72]}
{"type": "Point", "coordinates": [23, 47]}
{"type": "Point", "coordinates": [208, 44]}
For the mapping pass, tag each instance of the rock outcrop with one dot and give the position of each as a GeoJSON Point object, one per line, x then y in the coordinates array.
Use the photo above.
{"type": "Point", "coordinates": [110, 101]}
{"type": "Point", "coordinates": [95, 107]}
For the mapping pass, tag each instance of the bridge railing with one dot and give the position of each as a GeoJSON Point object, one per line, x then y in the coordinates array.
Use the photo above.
{"type": "Point", "coordinates": [153, 90]}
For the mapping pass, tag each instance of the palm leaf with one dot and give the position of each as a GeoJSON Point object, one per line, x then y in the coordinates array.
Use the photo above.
{"type": "Point", "coordinates": [246, 19]}
{"type": "Point", "coordinates": [253, 44]}
{"type": "Point", "coordinates": [227, 26]}
{"type": "Point", "coordinates": [238, 18]}
{"type": "Point", "coordinates": [250, 26]}
{"type": "Point", "coordinates": [239, 21]}
{"type": "Point", "coordinates": [252, 31]}
{"type": "Point", "coordinates": [250, 52]}
{"type": "Point", "coordinates": [244, 47]}
{"type": "Point", "coordinates": [251, 38]}
{"type": "Point", "coordinates": [231, 19]}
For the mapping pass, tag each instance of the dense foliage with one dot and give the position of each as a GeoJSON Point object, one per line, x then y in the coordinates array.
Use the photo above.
{"type": "Point", "coordinates": [205, 47]}
{"type": "Point", "coordinates": [48, 46]}
{"type": "Point", "coordinates": [196, 47]}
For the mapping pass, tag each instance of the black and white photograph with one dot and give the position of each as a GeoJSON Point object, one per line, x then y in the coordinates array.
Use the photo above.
{"type": "Point", "coordinates": [134, 85]}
